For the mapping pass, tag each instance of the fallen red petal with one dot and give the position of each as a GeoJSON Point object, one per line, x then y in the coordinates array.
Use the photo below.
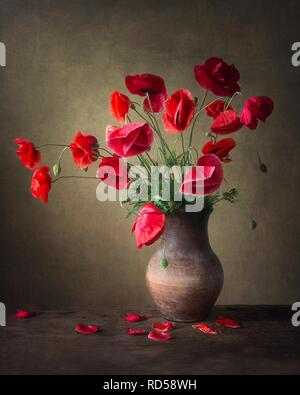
{"type": "Point", "coordinates": [207, 329]}
{"type": "Point", "coordinates": [86, 329]}
{"type": "Point", "coordinates": [159, 336]}
{"type": "Point", "coordinates": [133, 317]}
{"type": "Point", "coordinates": [135, 332]}
{"type": "Point", "coordinates": [165, 327]}
{"type": "Point", "coordinates": [24, 314]}
{"type": "Point", "coordinates": [227, 322]}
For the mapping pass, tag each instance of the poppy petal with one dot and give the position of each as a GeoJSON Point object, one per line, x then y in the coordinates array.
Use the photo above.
{"type": "Point", "coordinates": [86, 329]}
{"type": "Point", "coordinates": [165, 327]}
{"type": "Point", "coordinates": [227, 322]}
{"type": "Point", "coordinates": [24, 314]}
{"type": "Point", "coordinates": [207, 329]}
{"type": "Point", "coordinates": [136, 332]}
{"type": "Point", "coordinates": [133, 317]}
{"type": "Point", "coordinates": [159, 336]}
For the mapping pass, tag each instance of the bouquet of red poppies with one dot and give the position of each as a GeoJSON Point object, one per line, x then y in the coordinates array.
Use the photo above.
{"type": "Point", "coordinates": [142, 135]}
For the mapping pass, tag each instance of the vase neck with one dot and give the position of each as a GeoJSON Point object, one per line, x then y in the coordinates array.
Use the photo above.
{"type": "Point", "coordinates": [187, 230]}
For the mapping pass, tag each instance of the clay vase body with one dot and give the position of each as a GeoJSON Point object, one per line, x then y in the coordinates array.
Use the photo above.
{"type": "Point", "coordinates": [188, 288]}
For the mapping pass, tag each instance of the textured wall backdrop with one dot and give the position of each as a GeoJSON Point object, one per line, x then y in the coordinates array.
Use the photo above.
{"type": "Point", "coordinates": [64, 58]}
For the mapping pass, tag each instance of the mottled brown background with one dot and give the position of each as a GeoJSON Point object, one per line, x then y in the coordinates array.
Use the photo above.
{"type": "Point", "coordinates": [64, 58]}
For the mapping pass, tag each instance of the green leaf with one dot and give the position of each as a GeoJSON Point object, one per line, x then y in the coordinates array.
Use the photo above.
{"type": "Point", "coordinates": [163, 263]}
{"type": "Point", "coordinates": [263, 168]}
{"type": "Point", "coordinates": [231, 196]}
{"type": "Point", "coordinates": [253, 224]}
{"type": "Point", "coordinates": [85, 169]}
{"type": "Point", "coordinates": [56, 169]}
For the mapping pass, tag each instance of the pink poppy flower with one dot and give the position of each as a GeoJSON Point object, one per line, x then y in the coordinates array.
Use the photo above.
{"type": "Point", "coordinates": [130, 140]}
{"type": "Point", "coordinates": [203, 180]}
{"type": "Point", "coordinates": [180, 110]}
{"type": "Point", "coordinates": [148, 83]}
{"type": "Point", "coordinates": [119, 106]}
{"type": "Point", "coordinates": [149, 225]}
{"type": "Point", "coordinates": [218, 77]}
{"type": "Point", "coordinates": [256, 109]}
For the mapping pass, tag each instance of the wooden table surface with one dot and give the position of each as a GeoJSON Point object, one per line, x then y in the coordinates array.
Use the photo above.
{"type": "Point", "coordinates": [267, 343]}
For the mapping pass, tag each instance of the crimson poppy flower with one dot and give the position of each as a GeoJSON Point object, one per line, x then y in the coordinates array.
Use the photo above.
{"type": "Point", "coordinates": [159, 336]}
{"type": "Point", "coordinates": [130, 140]}
{"type": "Point", "coordinates": [136, 331]}
{"type": "Point", "coordinates": [218, 77]}
{"type": "Point", "coordinates": [220, 148]}
{"type": "Point", "coordinates": [203, 180]}
{"type": "Point", "coordinates": [148, 83]}
{"type": "Point", "coordinates": [180, 110]}
{"type": "Point", "coordinates": [113, 171]}
{"type": "Point", "coordinates": [86, 329]}
{"type": "Point", "coordinates": [84, 149]}
{"type": "Point", "coordinates": [226, 122]}
{"type": "Point", "coordinates": [227, 322]}
{"type": "Point", "coordinates": [133, 317]}
{"type": "Point", "coordinates": [24, 314]}
{"type": "Point", "coordinates": [28, 154]}
{"type": "Point", "coordinates": [207, 329]}
{"type": "Point", "coordinates": [149, 225]}
{"type": "Point", "coordinates": [41, 183]}
{"type": "Point", "coordinates": [256, 109]}
{"type": "Point", "coordinates": [165, 327]}
{"type": "Point", "coordinates": [119, 106]}
{"type": "Point", "coordinates": [215, 108]}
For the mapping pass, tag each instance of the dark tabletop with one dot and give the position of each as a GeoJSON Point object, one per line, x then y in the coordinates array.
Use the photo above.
{"type": "Point", "coordinates": [267, 343]}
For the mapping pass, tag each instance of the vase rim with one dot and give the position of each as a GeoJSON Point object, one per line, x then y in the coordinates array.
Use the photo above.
{"type": "Point", "coordinates": [204, 211]}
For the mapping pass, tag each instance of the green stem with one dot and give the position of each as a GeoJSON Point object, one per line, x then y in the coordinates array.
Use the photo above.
{"type": "Point", "coordinates": [151, 160]}
{"type": "Point", "coordinates": [182, 142]}
{"type": "Point", "coordinates": [106, 150]}
{"type": "Point", "coordinates": [86, 177]}
{"type": "Point", "coordinates": [141, 115]}
{"type": "Point", "coordinates": [196, 117]}
{"type": "Point", "coordinates": [230, 100]}
{"type": "Point", "coordinates": [61, 154]}
{"type": "Point", "coordinates": [145, 164]}
{"type": "Point", "coordinates": [52, 145]}
{"type": "Point", "coordinates": [164, 246]}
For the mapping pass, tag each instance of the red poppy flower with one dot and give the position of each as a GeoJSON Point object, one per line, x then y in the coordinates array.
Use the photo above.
{"type": "Point", "coordinates": [24, 314]}
{"type": "Point", "coordinates": [159, 336]}
{"type": "Point", "coordinates": [180, 110]}
{"type": "Point", "coordinates": [41, 184]}
{"type": "Point", "coordinates": [113, 171]}
{"type": "Point", "coordinates": [226, 122]}
{"type": "Point", "coordinates": [28, 154]}
{"type": "Point", "coordinates": [130, 140]}
{"type": "Point", "coordinates": [256, 109]}
{"type": "Point", "coordinates": [207, 329]}
{"type": "Point", "coordinates": [203, 180]}
{"type": "Point", "coordinates": [148, 83]}
{"type": "Point", "coordinates": [84, 149]}
{"type": "Point", "coordinates": [149, 225]}
{"type": "Point", "coordinates": [133, 317]}
{"type": "Point", "coordinates": [86, 329]}
{"type": "Point", "coordinates": [218, 77]}
{"type": "Point", "coordinates": [136, 332]}
{"type": "Point", "coordinates": [220, 148]}
{"type": "Point", "coordinates": [215, 108]}
{"type": "Point", "coordinates": [165, 327]}
{"type": "Point", "coordinates": [227, 322]}
{"type": "Point", "coordinates": [119, 106]}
